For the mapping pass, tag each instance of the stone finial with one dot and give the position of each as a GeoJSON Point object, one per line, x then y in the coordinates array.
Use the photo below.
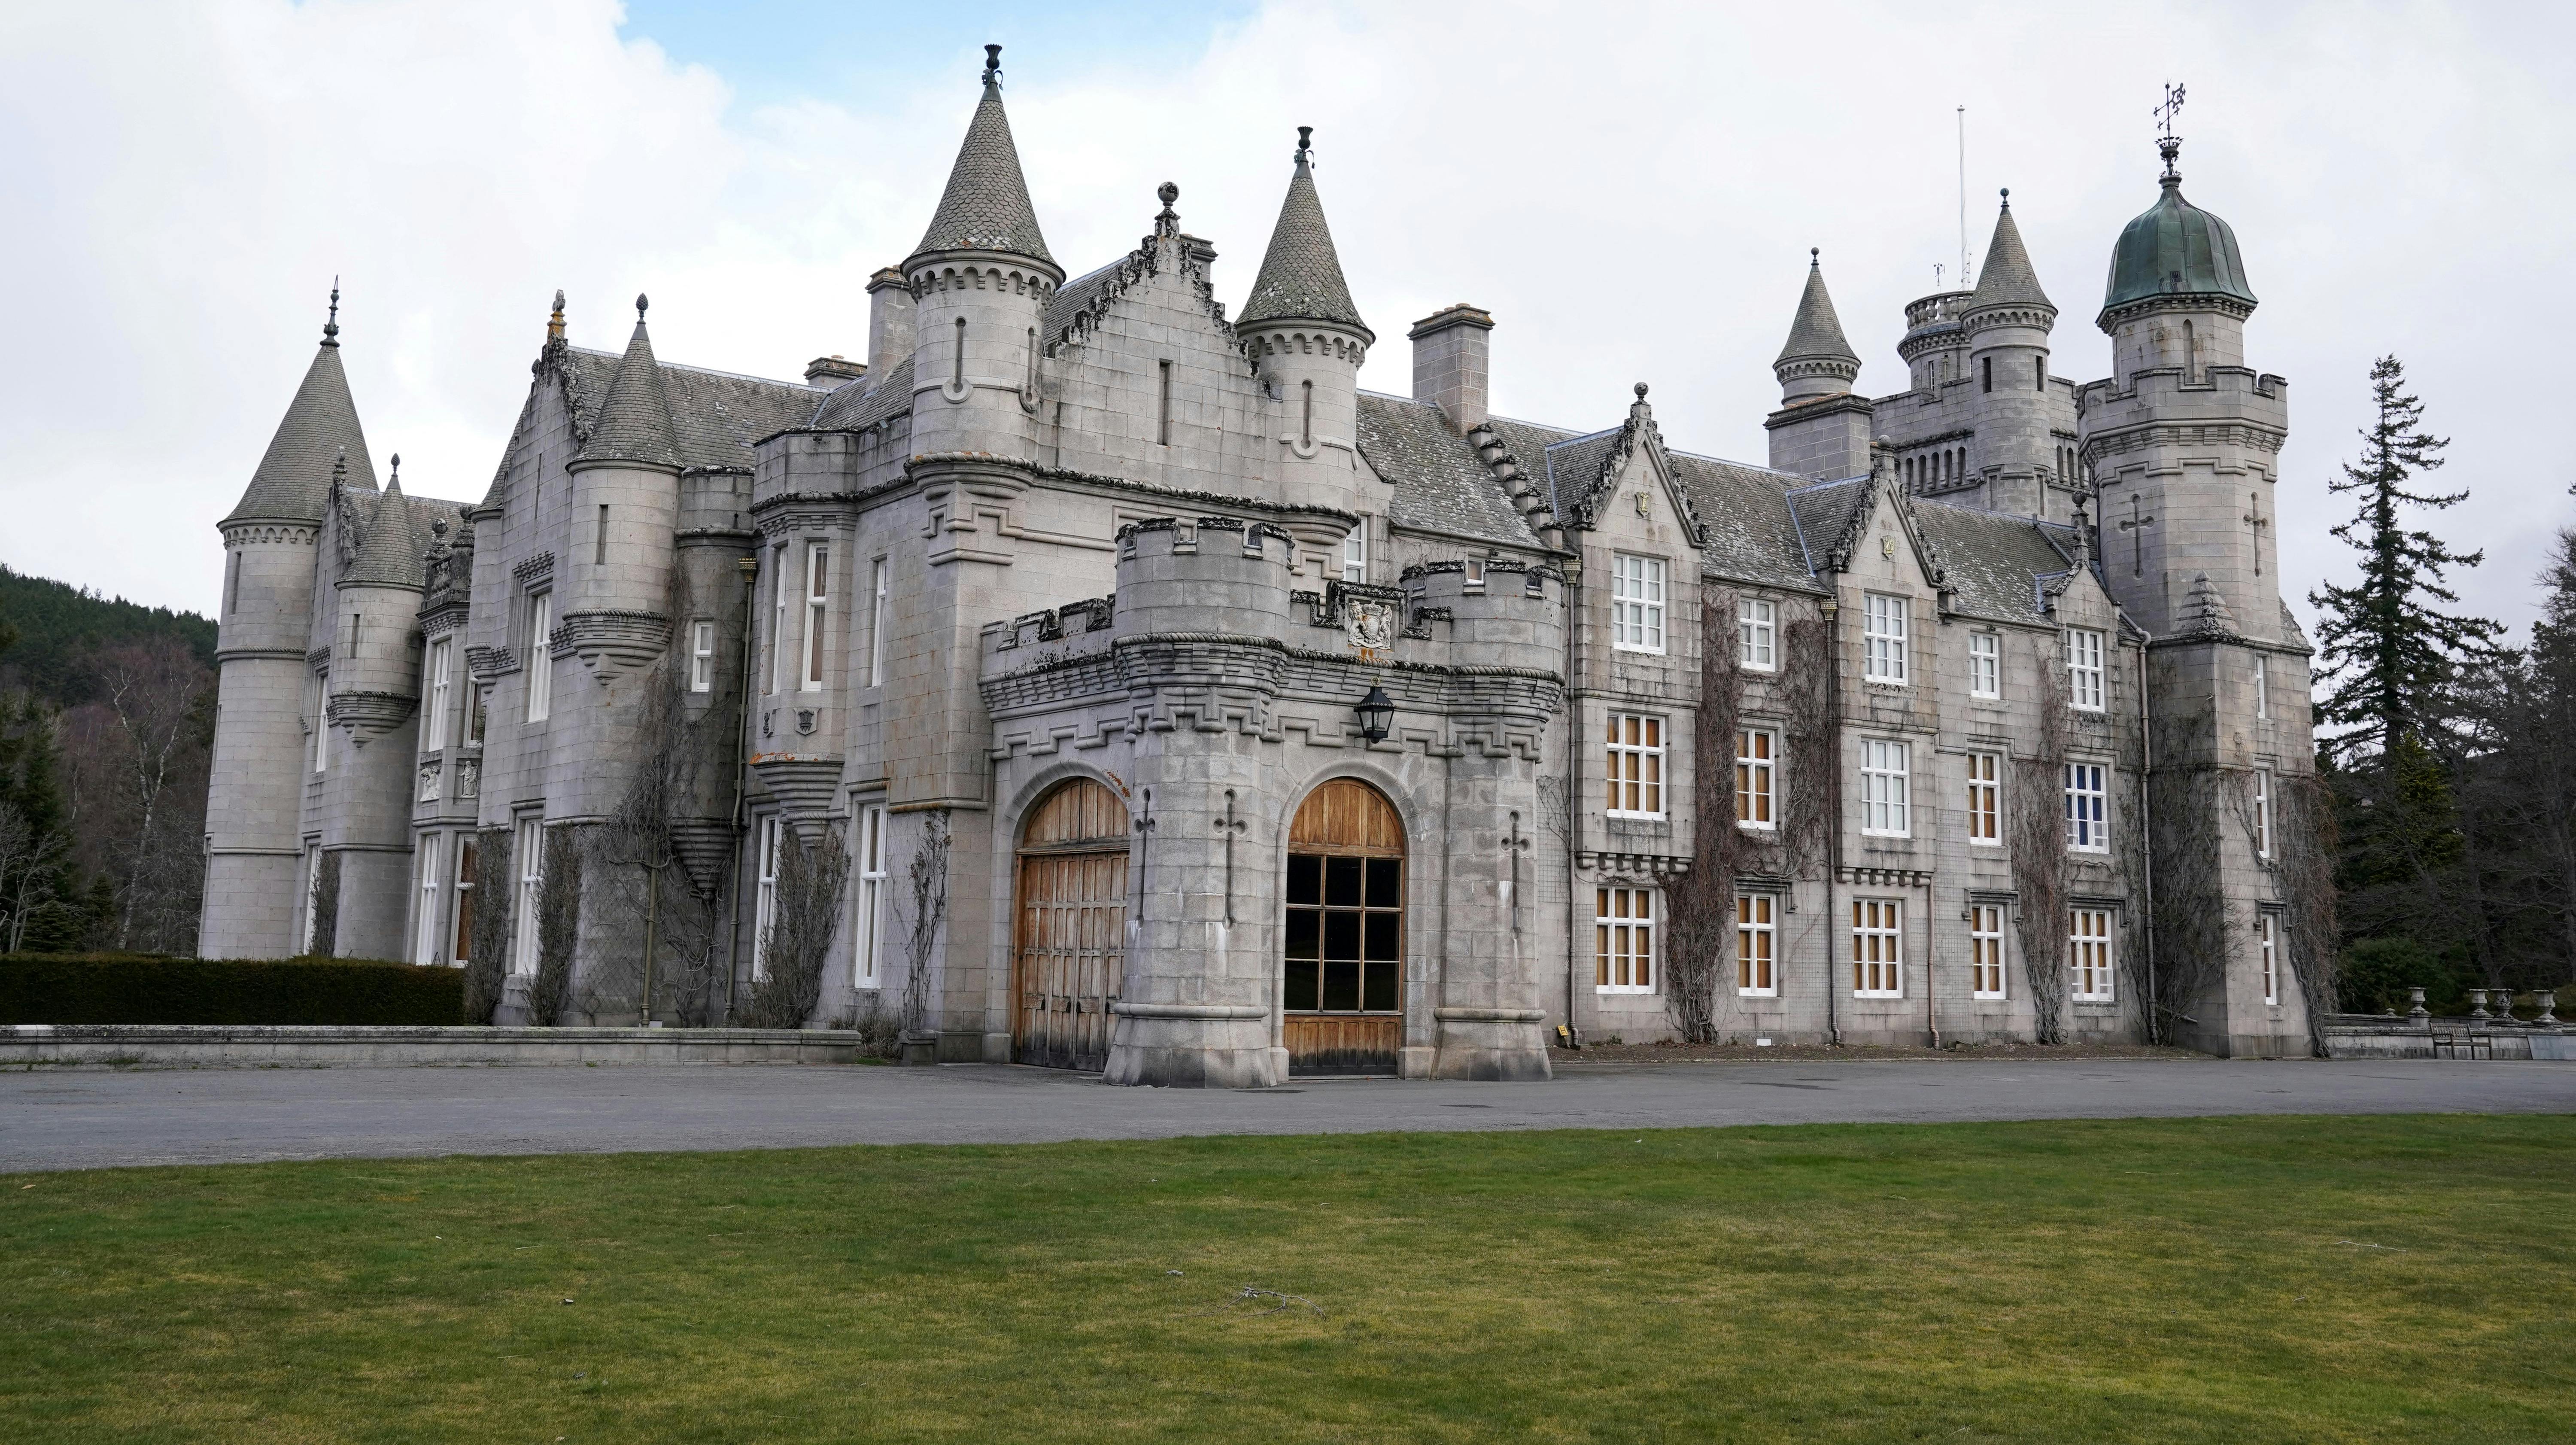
{"type": "Point", "coordinates": [1167, 222]}
{"type": "Point", "coordinates": [397, 475]}
{"type": "Point", "coordinates": [1305, 147]}
{"type": "Point", "coordinates": [331, 325]}
{"type": "Point", "coordinates": [992, 67]}
{"type": "Point", "coordinates": [555, 323]}
{"type": "Point", "coordinates": [340, 470]}
{"type": "Point", "coordinates": [641, 302]}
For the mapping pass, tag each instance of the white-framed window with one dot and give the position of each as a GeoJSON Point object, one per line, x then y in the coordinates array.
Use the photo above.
{"type": "Point", "coordinates": [1635, 758]}
{"type": "Point", "coordinates": [317, 711]}
{"type": "Point", "coordinates": [2262, 686]}
{"type": "Point", "coordinates": [2088, 953]}
{"type": "Point", "coordinates": [878, 581]}
{"type": "Point", "coordinates": [1883, 639]}
{"type": "Point", "coordinates": [868, 928]}
{"type": "Point", "coordinates": [1355, 553]}
{"type": "Point", "coordinates": [2263, 813]}
{"type": "Point", "coordinates": [2084, 669]}
{"type": "Point", "coordinates": [1986, 799]}
{"type": "Point", "coordinates": [540, 664]}
{"type": "Point", "coordinates": [1623, 940]}
{"type": "Point", "coordinates": [304, 919]}
{"type": "Point", "coordinates": [1636, 603]}
{"type": "Point", "coordinates": [765, 900]}
{"type": "Point", "coordinates": [2267, 943]}
{"type": "Point", "coordinates": [433, 728]}
{"type": "Point", "coordinates": [1756, 945]}
{"type": "Point", "coordinates": [529, 852]}
{"type": "Point", "coordinates": [1757, 753]}
{"type": "Point", "coordinates": [702, 656]}
{"type": "Point", "coordinates": [425, 930]}
{"type": "Point", "coordinates": [2088, 828]}
{"type": "Point", "coordinates": [1985, 950]}
{"type": "Point", "coordinates": [1757, 634]}
{"type": "Point", "coordinates": [1985, 664]}
{"type": "Point", "coordinates": [1878, 948]}
{"type": "Point", "coordinates": [818, 586]}
{"type": "Point", "coordinates": [778, 608]}
{"type": "Point", "coordinates": [1886, 787]}
{"type": "Point", "coordinates": [1475, 574]}
{"type": "Point", "coordinates": [468, 854]}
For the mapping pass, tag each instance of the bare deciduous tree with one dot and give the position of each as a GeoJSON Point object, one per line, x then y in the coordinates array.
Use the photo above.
{"type": "Point", "coordinates": [136, 761]}
{"type": "Point", "coordinates": [805, 910]}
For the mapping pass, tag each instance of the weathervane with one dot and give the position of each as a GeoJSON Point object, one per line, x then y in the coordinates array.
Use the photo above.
{"type": "Point", "coordinates": [2169, 145]}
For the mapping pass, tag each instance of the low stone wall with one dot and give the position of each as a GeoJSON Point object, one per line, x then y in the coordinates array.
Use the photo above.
{"type": "Point", "coordinates": [2380, 1036]}
{"type": "Point", "coordinates": [242, 1046]}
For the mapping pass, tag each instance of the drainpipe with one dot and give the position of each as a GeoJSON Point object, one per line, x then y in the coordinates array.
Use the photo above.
{"type": "Point", "coordinates": [1573, 789]}
{"type": "Point", "coordinates": [2147, 826]}
{"type": "Point", "coordinates": [1831, 612]}
{"type": "Point", "coordinates": [748, 568]}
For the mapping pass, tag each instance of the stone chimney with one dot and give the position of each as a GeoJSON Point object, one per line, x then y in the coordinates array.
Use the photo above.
{"type": "Point", "coordinates": [1451, 352]}
{"type": "Point", "coordinates": [889, 321]}
{"type": "Point", "coordinates": [830, 372]}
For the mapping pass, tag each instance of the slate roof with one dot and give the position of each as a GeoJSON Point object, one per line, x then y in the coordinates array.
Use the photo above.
{"type": "Point", "coordinates": [1439, 483]}
{"type": "Point", "coordinates": [1821, 513]}
{"type": "Point", "coordinates": [634, 423]}
{"type": "Point", "coordinates": [715, 415]}
{"type": "Point", "coordinates": [2008, 279]}
{"type": "Point", "coordinates": [293, 482]}
{"type": "Point", "coordinates": [1752, 532]}
{"type": "Point", "coordinates": [1817, 331]}
{"type": "Point", "coordinates": [986, 206]}
{"type": "Point", "coordinates": [1301, 273]}
{"type": "Point", "coordinates": [1993, 562]}
{"type": "Point", "coordinates": [854, 407]}
{"type": "Point", "coordinates": [395, 536]}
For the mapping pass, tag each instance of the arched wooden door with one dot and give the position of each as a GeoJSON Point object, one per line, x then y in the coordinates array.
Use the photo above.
{"type": "Point", "coordinates": [1342, 981]}
{"type": "Point", "coordinates": [1069, 948]}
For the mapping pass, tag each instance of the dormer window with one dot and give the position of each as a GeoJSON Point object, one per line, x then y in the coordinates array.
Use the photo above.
{"type": "Point", "coordinates": [1636, 603]}
{"type": "Point", "coordinates": [1883, 639]}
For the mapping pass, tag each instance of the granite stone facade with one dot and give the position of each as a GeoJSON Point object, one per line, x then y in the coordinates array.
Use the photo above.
{"type": "Point", "coordinates": [1086, 539]}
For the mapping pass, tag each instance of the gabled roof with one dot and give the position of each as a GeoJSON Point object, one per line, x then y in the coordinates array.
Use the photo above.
{"type": "Point", "coordinates": [1822, 515]}
{"type": "Point", "coordinates": [716, 416]}
{"type": "Point", "coordinates": [1301, 273]}
{"type": "Point", "coordinates": [634, 423]}
{"type": "Point", "coordinates": [1437, 480]}
{"type": "Point", "coordinates": [1752, 532]}
{"type": "Point", "coordinates": [986, 206]}
{"type": "Point", "coordinates": [1990, 561]}
{"type": "Point", "coordinates": [2008, 279]}
{"type": "Point", "coordinates": [855, 407]}
{"type": "Point", "coordinates": [293, 482]}
{"type": "Point", "coordinates": [1816, 332]}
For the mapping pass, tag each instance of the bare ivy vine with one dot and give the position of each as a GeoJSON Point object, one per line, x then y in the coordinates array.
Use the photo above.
{"type": "Point", "coordinates": [805, 908]}
{"type": "Point", "coordinates": [2037, 836]}
{"type": "Point", "coordinates": [326, 906]}
{"type": "Point", "coordinates": [558, 925]}
{"type": "Point", "coordinates": [928, 876]}
{"type": "Point", "coordinates": [487, 951]}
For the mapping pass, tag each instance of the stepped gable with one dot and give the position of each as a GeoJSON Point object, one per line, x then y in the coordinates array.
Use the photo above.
{"type": "Point", "coordinates": [1992, 563]}
{"type": "Point", "coordinates": [1301, 273]}
{"type": "Point", "coordinates": [1439, 483]}
{"type": "Point", "coordinates": [986, 206]}
{"type": "Point", "coordinates": [857, 407]}
{"type": "Point", "coordinates": [1752, 532]}
{"type": "Point", "coordinates": [2008, 278]}
{"type": "Point", "coordinates": [1816, 333]}
{"type": "Point", "coordinates": [293, 482]}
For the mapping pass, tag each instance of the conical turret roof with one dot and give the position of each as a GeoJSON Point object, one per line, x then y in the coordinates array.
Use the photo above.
{"type": "Point", "coordinates": [634, 422]}
{"type": "Point", "coordinates": [390, 554]}
{"type": "Point", "coordinates": [293, 482]}
{"type": "Point", "coordinates": [986, 206]}
{"type": "Point", "coordinates": [1301, 274]}
{"type": "Point", "coordinates": [1817, 334]}
{"type": "Point", "coordinates": [2008, 279]}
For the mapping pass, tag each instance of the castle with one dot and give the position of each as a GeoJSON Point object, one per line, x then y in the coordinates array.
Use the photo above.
{"type": "Point", "coordinates": [1096, 679]}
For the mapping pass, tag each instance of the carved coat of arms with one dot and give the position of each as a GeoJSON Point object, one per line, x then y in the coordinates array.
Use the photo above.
{"type": "Point", "coordinates": [1372, 625]}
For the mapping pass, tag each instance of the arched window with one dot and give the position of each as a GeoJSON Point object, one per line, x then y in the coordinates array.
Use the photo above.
{"type": "Point", "coordinates": [1342, 975]}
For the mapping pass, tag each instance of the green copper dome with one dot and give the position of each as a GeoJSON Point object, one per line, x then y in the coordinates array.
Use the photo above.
{"type": "Point", "coordinates": [2175, 249]}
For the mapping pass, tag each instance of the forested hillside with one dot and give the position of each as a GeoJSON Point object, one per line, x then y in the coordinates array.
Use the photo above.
{"type": "Point", "coordinates": [106, 723]}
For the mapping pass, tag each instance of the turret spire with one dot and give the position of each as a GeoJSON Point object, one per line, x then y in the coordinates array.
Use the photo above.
{"type": "Point", "coordinates": [1817, 332]}
{"type": "Point", "coordinates": [986, 206]}
{"type": "Point", "coordinates": [294, 476]}
{"type": "Point", "coordinates": [331, 326]}
{"type": "Point", "coordinates": [390, 555]}
{"type": "Point", "coordinates": [634, 423]}
{"type": "Point", "coordinates": [1301, 274]}
{"type": "Point", "coordinates": [2009, 279]}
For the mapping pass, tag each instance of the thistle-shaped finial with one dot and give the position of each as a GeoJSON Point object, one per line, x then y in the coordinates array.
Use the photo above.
{"type": "Point", "coordinates": [992, 67]}
{"type": "Point", "coordinates": [397, 474]}
{"type": "Point", "coordinates": [1167, 220]}
{"type": "Point", "coordinates": [340, 470]}
{"type": "Point", "coordinates": [331, 327]}
{"type": "Point", "coordinates": [1305, 146]}
{"type": "Point", "coordinates": [555, 323]}
{"type": "Point", "coordinates": [640, 303]}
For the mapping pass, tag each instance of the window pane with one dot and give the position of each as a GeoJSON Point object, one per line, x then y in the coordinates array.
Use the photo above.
{"type": "Point", "coordinates": [1341, 986]}
{"type": "Point", "coordinates": [1383, 935]}
{"type": "Point", "coordinates": [1342, 882]}
{"type": "Point", "coordinates": [1385, 882]}
{"type": "Point", "coordinates": [1305, 932]}
{"type": "Point", "coordinates": [1384, 983]}
{"type": "Point", "coordinates": [1306, 880]}
{"type": "Point", "coordinates": [1304, 986]}
{"type": "Point", "coordinates": [1341, 935]}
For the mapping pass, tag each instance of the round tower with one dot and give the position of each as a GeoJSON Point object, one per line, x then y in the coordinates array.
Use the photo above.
{"type": "Point", "coordinates": [2177, 298]}
{"type": "Point", "coordinates": [267, 711]}
{"type": "Point", "coordinates": [980, 280]}
{"type": "Point", "coordinates": [2006, 322]}
{"type": "Point", "coordinates": [1307, 338]}
{"type": "Point", "coordinates": [1821, 430]}
{"type": "Point", "coordinates": [375, 710]}
{"type": "Point", "coordinates": [614, 601]}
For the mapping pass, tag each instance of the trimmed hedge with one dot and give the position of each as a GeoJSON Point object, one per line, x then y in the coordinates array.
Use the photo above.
{"type": "Point", "coordinates": [111, 988]}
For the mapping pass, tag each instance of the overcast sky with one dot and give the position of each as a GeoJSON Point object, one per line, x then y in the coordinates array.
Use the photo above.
{"type": "Point", "coordinates": [1630, 189]}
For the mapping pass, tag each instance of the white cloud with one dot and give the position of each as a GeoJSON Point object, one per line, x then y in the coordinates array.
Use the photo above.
{"type": "Point", "coordinates": [1630, 188]}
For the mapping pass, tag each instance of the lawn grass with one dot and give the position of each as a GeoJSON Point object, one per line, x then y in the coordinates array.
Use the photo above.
{"type": "Point", "coordinates": [2259, 1279]}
